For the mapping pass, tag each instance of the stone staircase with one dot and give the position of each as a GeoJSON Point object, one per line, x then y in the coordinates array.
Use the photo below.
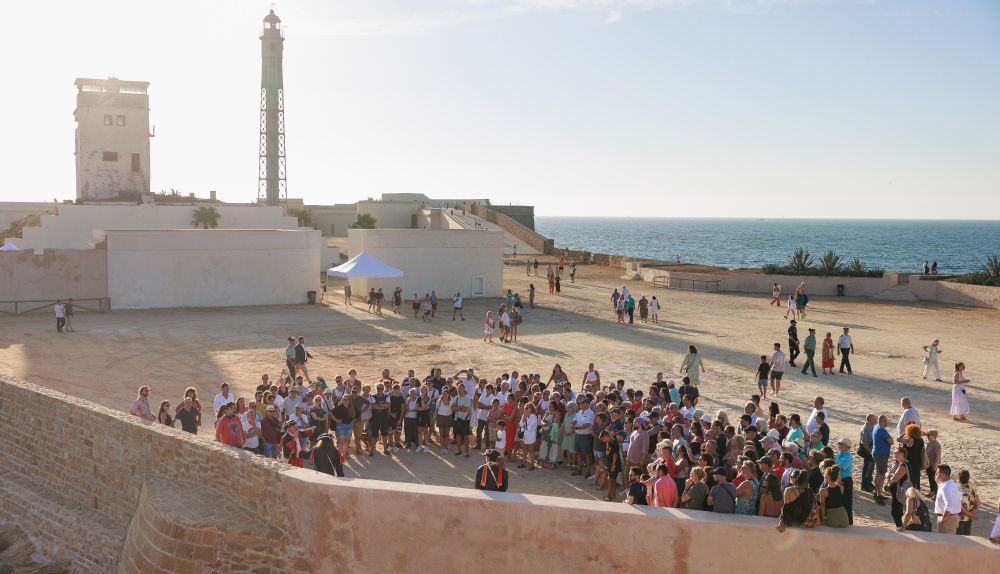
{"type": "Point", "coordinates": [899, 293]}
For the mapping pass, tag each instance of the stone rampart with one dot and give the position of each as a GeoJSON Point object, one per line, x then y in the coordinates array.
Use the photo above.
{"type": "Point", "coordinates": [113, 494]}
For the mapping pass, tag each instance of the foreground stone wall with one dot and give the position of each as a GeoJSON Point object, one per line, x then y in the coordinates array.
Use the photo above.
{"type": "Point", "coordinates": [113, 494]}
{"type": "Point", "coordinates": [75, 474]}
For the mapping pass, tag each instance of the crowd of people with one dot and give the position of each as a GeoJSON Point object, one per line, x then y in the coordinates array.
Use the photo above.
{"type": "Point", "coordinates": [649, 443]}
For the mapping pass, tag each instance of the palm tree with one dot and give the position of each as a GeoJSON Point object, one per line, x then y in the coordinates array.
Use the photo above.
{"type": "Point", "coordinates": [830, 263]}
{"type": "Point", "coordinates": [304, 216]}
{"type": "Point", "coordinates": [857, 267]}
{"type": "Point", "coordinates": [365, 221]}
{"type": "Point", "coordinates": [205, 217]}
{"type": "Point", "coordinates": [991, 268]}
{"type": "Point", "coordinates": [800, 261]}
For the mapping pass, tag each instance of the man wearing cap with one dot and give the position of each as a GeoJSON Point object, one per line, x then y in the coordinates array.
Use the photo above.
{"type": "Point", "coordinates": [290, 356]}
{"type": "Point", "coordinates": [810, 348]}
{"type": "Point", "coordinates": [793, 342]}
{"type": "Point", "coordinates": [584, 443]}
{"type": "Point", "coordinates": [492, 475]}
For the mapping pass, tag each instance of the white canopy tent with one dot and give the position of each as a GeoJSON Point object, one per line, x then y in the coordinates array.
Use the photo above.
{"type": "Point", "coordinates": [364, 266]}
{"type": "Point", "coordinates": [9, 247]}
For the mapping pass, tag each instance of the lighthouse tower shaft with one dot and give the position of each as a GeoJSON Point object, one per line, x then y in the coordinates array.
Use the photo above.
{"type": "Point", "coordinates": [271, 178]}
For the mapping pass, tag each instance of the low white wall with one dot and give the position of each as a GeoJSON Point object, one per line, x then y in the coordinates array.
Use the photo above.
{"type": "Point", "coordinates": [761, 283]}
{"type": "Point", "coordinates": [11, 211]}
{"type": "Point", "coordinates": [73, 227]}
{"type": "Point", "coordinates": [211, 268]}
{"type": "Point", "coordinates": [443, 261]}
{"type": "Point", "coordinates": [390, 214]}
{"type": "Point", "coordinates": [53, 274]}
{"type": "Point", "coordinates": [956, 293]}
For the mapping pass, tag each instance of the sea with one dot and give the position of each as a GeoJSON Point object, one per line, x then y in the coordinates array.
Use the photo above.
{"type": "Point", "coordinates": [894, 245]}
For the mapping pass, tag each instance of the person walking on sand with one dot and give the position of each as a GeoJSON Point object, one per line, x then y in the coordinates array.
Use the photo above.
{"type": "Point", "coordinates": [416, 305]}
{"type": "Point", "coordinates": [692, 365]}
{"type": "Point", "coordinates": [931, 362]}
{"type": "Point", "coordinates": [845, 346]}
{"type": "Point", "coordinates": [654, 310]}
{"type": "Point", "coordinates": [456, 307]}
{"type": "Point", "coordinates": [793, 342]}
{"type": "Point", "coordinates": [552, 283]}
{"type": "Point", "coordinates": [792, 308]}
{"type": "Point", "coordinates": [488, 328]}
{"type": "Point", "coordinates": [810, 348]}
{"type": "Point", "coordinates": [60, 311]}
{"type": "Point", "coordinates": [643, 308]}
{"type": "Point", "coordinates": [397, 300]}
{"type": "Point", "coordinates": [777, 364]}
{"type": "Point", "coordinates": [775, 295]}
{"type": "Point", "coordinates": [531, 295]}
{"type": "Point", "coordinates": [630, 309]}
{"type": "Point", "coordinates": [959, 402]}
{"type": "Point", "coordinates": [69, 315]}
{"type": "Point", "coordinates": [535, 266]}
{"type": "Point", "coordinates": [572, 272]}
{"type": "Point", "coordinates": [828, 360]}
{"type": "Point", "coordinates": [347, 293]}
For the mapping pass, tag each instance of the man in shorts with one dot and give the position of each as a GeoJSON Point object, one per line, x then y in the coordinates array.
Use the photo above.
{"type": "Point", "coordinates": [777, 365]}
{"type": "Point", "coordinates": [462, 408]}
{"type": "Point", "coordinates": [763, 370]}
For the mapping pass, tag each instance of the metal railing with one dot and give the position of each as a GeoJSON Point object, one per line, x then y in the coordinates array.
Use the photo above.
{"type": "Point", "coordinates": [691, 284]}
{"type": "Point", "coordinates": [98, 305]}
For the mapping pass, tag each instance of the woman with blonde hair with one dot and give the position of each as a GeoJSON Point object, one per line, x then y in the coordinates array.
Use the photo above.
{"type": "Point", "coordinates": [529, 436]}
{"type": "Point", "coordinates": [723, 417]}
{"type": "Point", "coordinates": [915, 515]}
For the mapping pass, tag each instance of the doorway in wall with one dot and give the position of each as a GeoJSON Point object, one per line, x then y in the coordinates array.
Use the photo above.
{"type": "Point", "coordinates": [478, 286]}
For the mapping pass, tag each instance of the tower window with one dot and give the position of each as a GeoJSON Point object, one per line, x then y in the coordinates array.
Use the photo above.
{"type": "Point", "coordinates": [110, 156]}
{"type": "Point", "coordinates": [108, 120]}
{"type": "Point", "coordinates": [121, 121]}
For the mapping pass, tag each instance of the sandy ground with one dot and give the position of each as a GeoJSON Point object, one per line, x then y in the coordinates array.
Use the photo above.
{"type": "Point", "coordinates": [111, 354]}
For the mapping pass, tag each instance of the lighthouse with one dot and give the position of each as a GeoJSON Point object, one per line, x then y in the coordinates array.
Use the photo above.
{"type": "Point", "coordinates": [271, 184]}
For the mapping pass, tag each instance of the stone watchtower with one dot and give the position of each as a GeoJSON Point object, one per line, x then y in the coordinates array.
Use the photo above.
{"type": "Point", "coordinates": [112, 140]}
{"type": "Point", "coordinates": [271, 177]}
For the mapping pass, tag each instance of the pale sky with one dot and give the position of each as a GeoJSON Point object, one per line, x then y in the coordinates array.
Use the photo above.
{"type": "Point", "coordinates": [755, 108]}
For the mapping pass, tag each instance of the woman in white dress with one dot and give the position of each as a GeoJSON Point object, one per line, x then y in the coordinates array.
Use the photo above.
{"type": "Point", "coordinates": [654, 310]}
{"type": "Point", "coordinates": [488, 328]}
{"type": "Point", "coordinates": [959, 402]}
{"type": "Point", "coordinates": [529, 428]}
{"type": "Point", "coordinates": [792, 306]}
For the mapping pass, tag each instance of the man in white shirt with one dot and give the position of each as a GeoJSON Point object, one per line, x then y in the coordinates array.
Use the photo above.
{"type": "Point", "coordinates": [931, 361]}
{"type": "Point", "coordinates": [812, 425]}
{"type": "Point", "coordinates": [456, 307]}
{"type": "Point", "coordinates": [583, 424]}
{"type": "Point", "coordinates": [293, 400]}
{"type": "Point", "coordinates": [484, 403]}
{"type": "Point", "coordinates": [845, 346]}
{"type": "Point", "coordinates": [909, 415]}
{"type": "Point", "coordinates": [948, 503]}
{"type": "Point", "coordinates": [221, 400]}
{"type": "Point", "coordinates": [60, 311]}
{"type": "Point", "coordinates": [777, 368]}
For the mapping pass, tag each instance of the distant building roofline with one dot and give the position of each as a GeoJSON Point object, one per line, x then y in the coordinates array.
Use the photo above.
{"type": "Point", "coordinates": [109, 82]}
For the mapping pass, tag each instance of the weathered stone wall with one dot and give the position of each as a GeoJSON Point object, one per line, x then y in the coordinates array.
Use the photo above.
{"type": "Point", "coordinates": [955, 293]}
{"type": "Point", "coordinates": [528, 235]}
{"type": "Point", "coordinates": [53, 274]}
{"type": "Point", "coordinates": [114, 494]}
{"type": "Point", "coordinates": [74, 474]}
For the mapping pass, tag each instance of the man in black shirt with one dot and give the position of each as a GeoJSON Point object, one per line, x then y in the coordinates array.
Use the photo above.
{"type": "Point", "coordinates": [689, 390]}
{"type": "Point", "coordinates": [437, 380]}
{"type": "Point", "coordinates": [189, 416]}
{"type": "Point", "coordinates": [793, 343]}
{"type": "Point", "coordinates": [637, 491]}
{"type": "Point", "coordinates": [492, 475]}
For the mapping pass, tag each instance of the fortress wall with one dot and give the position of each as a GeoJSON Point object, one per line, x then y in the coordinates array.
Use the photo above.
{"type": "Point", "coordinates": [114, 494]}
{"type": "Point", "coordinates": [53, 274]}
{"type": "Point", "coordinates": [77, 470]}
